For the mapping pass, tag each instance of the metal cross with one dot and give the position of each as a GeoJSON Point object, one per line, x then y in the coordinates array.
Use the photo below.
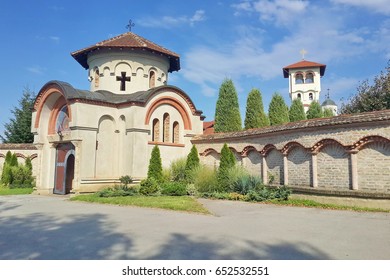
{"type": "Point", "coordinates": [303, 52]}
{"type": "Point", "coordinates": [327, 96]}
{"type": "Point", "coordinates": [130, 25]}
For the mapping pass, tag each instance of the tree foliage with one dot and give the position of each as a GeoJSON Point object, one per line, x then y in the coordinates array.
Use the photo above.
{"type": "Point", "coordinates": [278, 110]}
{"type": "Point", "coordinates": [155, 170]}
{"type": "Point", "coordinates": [255, 116]}
{"type": "Point", "coordinates": [369, 97]}
{"type": "Point", "coordinates": [297, 112]}
{"type": "Point", "coordinates": [191, 163]}
{"type": "Point", "coordinates": [18, 129]}
{"type": "Point", "coordinates": [15, 175]}
{"type": "Point", "coordinates": [314, 111]}
{"type": "Point", "coordinates": [227, 111]}
{"type": "Point", "coordinates": [227, 161]}
{"type": "Point", "coordinates": [327, 112]}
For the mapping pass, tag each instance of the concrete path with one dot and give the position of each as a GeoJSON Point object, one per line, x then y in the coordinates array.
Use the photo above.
{"type": "Point", "coordinates": [51, 227]}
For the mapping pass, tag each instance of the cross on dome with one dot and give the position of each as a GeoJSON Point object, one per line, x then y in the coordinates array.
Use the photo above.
{"type": "Point", "coordinates": [303, 52]}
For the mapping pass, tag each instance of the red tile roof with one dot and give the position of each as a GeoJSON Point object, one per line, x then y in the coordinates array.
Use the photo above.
{"type": "Point", "coordinates": [129, 41]}
{"type": "Point", "coordinates": [304, 64]}
{"type": "Point", "coordinates": [208, 127]}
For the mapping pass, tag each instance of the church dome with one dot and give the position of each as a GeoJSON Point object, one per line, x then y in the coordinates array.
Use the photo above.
{"type": "Point", "coordinates": [328, 102]}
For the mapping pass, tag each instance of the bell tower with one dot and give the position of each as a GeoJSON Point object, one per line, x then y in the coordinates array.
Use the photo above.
{"type": "Point", "coordinates": [304, 80]}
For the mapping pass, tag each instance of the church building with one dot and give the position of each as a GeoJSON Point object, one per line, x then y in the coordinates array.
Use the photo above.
{"type": "Point", "coordinates": [87, 139]}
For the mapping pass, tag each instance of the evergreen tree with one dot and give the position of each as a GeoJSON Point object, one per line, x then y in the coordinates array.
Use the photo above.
{"type": "Point", "coordinates": [297, 112]}
{"type": "Point", "coordinates": [155, 170]}
{"type": "Point", "coordinates": [14, 160]}
{"type": "Point", "coordinates": [369, 97]}
{"type": "Point", "coordinates": [314, 111]}
{"type": "Point", "coordinates": [192, 159]}
{"type": "Point", "coordinates": [6, 173]}
{"type": "Point", "coordinates": [18, 130]}
{"type": "Point", "coordinates": [227, 111]}
{"type": "Point", "coordinates": [227, 161]}
{"type": "Point", "coordinates": [28, 163]}
{"type": "Point", "coordinates": [255, 116]}
{"type": "Point", "coordinates": [328, 113]}
{"type": "Point", "coordinates": [278, 110]}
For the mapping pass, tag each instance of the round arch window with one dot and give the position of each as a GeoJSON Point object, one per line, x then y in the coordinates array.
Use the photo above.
{"type": "Point", "coordinates": [62, 122]}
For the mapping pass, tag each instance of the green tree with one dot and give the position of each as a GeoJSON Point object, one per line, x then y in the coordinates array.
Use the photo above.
{"type": "Point", "coordinates": [227, 161]}
{"type": "Point", "coordinates": [6, 173]}
{"type": "Point", "coordinates": [14, 160]}
{"type": "Point", "coordinates": [278, 110]}
{"type": "Point", "coordinates": [328, 113]}
{"type": "Point", "coordinates": [369, 97]}
{"type": "Point", "coordinates": [155, 170]}
{"type": "Point", "coordinates": [18, 130]}
{"type": "Point", "coordinates": [297, 112]}
{"type": "Point", "coordinates": [192, 163]}
{"type": "Point", "coordinates": [314, 111]}
{"type": "Point", "coordinates": [227, 111]}
{"type": "Point", "coordinates": [255, 116]}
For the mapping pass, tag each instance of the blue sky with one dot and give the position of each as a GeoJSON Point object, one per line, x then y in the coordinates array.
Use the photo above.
{"type": "Point", "coordinates": [249, 41]}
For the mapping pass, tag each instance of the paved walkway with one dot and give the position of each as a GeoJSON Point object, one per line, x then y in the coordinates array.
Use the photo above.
{"type": "Point", "coordinates": [51, 227]}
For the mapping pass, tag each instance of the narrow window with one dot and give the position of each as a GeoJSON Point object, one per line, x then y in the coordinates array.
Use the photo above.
{"type": "Point", "coordinates": [97, 76]}
{"type": "Point", "coordinates": [152, 79]}
{"type": "Point", "coordinates": [156, 130]}
{"type": "Point", "coordinates": [310, 96]}
{"type": "Point", "coordinates": [175, 133]}
{"type": "Point", "coordinates": [299, 78]}
{"type": "Point", "coordinates": [166, 127]}
{"type": "Point", "coordinates": [299, 96]}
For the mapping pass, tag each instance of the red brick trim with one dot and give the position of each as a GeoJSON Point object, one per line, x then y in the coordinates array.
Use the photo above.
{"type": "Point", "coordinates": [359, 145]}
{"type": "Point", "coordinates": [326, 142]}
{"type": "Point", "coordinates": [208, 151]}
{"type": "Point", "coordinates": [247, 150]}
{"type": "Point", "coordinates": [166, 144]}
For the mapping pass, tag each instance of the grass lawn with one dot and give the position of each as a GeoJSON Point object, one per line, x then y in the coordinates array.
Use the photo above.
{"type": "Point", "coordinates": [178, 203]}
{"type": "Point", "coordinates": [314, 204]}
{"type": "Point", "coordinates": [7, 191]}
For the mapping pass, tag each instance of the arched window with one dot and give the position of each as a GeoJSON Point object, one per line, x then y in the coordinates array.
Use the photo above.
{"type": "Point", "coordinates": [152, 79]}
{"type": "Point", "coordinates": [97, 76]}
{"type": "Point", "coordinates": [310, 96]}
{"type": "Point", "coordinates": [175, 133]}
{"type": "Point", "coordinates": [299, 96]}
{"type": "Point", "coordinates": [156, 130]}
{"type": "Point", "coordinates": [299, 78]}
{"type": "Point", "coordinates": [166, 120]}
{"type": "Point", "coordinates": [309, 78]}
{"type": "Point", "coordinates": [62, 122]}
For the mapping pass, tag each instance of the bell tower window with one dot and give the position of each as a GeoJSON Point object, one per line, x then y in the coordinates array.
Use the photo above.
{"type": "Point", "coordinates": [152, 79]}
{"type": "Point", "coordinates": [309, 78]}
{"type": "Point", "coordinates": [299, 78]}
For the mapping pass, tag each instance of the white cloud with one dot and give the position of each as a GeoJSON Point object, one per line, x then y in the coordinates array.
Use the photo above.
{"type": "Point", "coordinates": [36, 70]}
{"type": "Point", "coordinates": [378, 6]}
{"type": "Point", "coordinates": [55, 39]}
{"type": "Point", "coordinates": [170, 21]}
{"type": "Point", "coordinates": [278, 11]}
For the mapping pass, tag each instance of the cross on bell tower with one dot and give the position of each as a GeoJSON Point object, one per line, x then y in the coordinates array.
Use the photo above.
{"type": "Point", "coordinates": [123, 79]}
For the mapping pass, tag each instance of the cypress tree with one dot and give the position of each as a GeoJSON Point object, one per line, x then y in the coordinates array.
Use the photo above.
{"type": "Point", "coordinates": [155, 170]}
{"type": "Point", "coordinates": [6, 173]}
{"type": "Point", "coordinates": [328, 113]}
{"type": "Point", "coordinates": [18, 130]}
{"type": "Point", "coordinates": [278, 110]}
{"type": "Point", "coordinates": [254, 115]}
{"type": "Point", "coordinates": [297, 112]}
{"type": "Point", "coordinates": [314, 111]}
{"type": "Point", "coordinates": [227, 161]}
{"type": "Point", "coordinates": [192, 162]}
{"type": "Point", "coordinates": [14, 160]}
{"type": "Point", "coordinates": [227, 111]}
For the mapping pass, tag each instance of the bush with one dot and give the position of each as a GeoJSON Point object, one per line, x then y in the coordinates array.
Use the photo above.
{"type": "Point", "coordinates": [149, 186]}
{"type": "Point", "coordinates": [174, 189]}
{"type": "Point", "coordinates": [205, 179]}
{"type": "Point", "coordinates": [125, 180]}
{"type": "Point", "coordinates": [6, 177]}
{"type": "Point", "coordinates": [21, 177]}
{"type": "Point", "coordinates": [178, 170]}
{"type": "Point", "coordinates": [118, 191]}
{"type": "Point", "coordinates": [247, 183]}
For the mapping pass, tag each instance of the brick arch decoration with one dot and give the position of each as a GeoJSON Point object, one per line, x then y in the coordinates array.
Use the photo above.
{"type": "Point", "coordinates": [54, 114]}
{"type": "Point", "coordinates": [19, 155]}
{"type": "Point", "coordinates": [40, 101]}
{"type": "Point", "coordinates": [167, 100]}
{"type": "Point", "coordinates": [359, 145]}
{"type": "Point", "coordinates": [2, 155]}
{"type": "Point", "coordinates": [267, 149]}
{"type": "Point", "coordinates": [290, 146]}
{"type": "Point", "coordinates": [325, 142]}
{"type": "Point", "coordinates": [234, 150]}
{"type": "Point", "coordinates": [208, 151]}
{"type": "Point", "coordinates": [33, 156]}
{"type": "Point", "coordinates": [247, 150]}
